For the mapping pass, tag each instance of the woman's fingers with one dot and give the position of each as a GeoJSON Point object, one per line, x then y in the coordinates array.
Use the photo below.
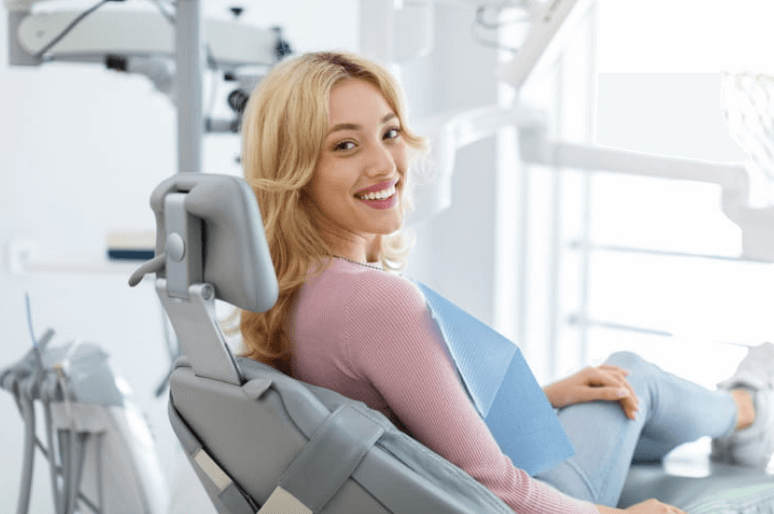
{"type": "Point", "coordinates": [654, 507]}
{"type": "Point", "coordinates": [627, 400]}
{"type": "Point", "coordinates": [606, 383]}
{"type": "Point", "coordinates": [630, 407]}
{"type": "Point", "coordinates": [609, 394]}
{"type": "Point", "coordinates": [601, 377]}
{"type": "Point", "coordinates": [612, 385]}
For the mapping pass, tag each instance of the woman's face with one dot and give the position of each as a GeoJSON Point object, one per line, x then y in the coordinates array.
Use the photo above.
{"type": "Point", "coordinates": [358, 181]}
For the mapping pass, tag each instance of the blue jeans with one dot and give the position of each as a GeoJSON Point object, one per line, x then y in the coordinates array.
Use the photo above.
{"type": "Point", "coordinates": [672, 411]}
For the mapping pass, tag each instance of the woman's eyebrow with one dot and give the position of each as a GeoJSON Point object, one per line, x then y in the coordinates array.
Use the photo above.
{"type": "Point", "coordinates": [353, 126]}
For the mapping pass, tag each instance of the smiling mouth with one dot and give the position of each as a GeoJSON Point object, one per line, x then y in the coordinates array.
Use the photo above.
{"type": "Point", "coordinates": [378, 195]}
{"type": "Point", "coordinates": [382, 194]}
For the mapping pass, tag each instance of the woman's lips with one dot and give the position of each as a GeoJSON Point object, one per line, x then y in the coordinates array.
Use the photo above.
{"type": "Point", "coordinates": [387, 203]}
{"type": "Point", "coordinates": [377, 201]}
{"type": "Point", "coordinates": [381, 186]}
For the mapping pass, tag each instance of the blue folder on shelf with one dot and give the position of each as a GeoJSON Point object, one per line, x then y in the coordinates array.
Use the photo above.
{"type": "Point", "coordinates": [502, 387]}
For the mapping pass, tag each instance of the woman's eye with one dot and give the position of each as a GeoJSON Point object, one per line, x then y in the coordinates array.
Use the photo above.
{"type": "Point", "coordinates": [392, 133]}
{"type": "Point", "coordinates": [344, 146]}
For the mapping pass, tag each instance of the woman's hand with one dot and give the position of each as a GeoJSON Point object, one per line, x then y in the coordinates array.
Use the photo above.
{"type": "Point", "coordinates": [607, 383]}
{"type": "Point", "coordinates": [646, 507]}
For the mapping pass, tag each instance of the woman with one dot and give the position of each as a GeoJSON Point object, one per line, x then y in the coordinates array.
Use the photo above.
{"type": "Point", "coordinates": [327, 149]}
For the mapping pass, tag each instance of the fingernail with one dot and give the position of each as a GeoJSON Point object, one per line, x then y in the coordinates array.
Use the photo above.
{"type": "Point", "coordinates": [623, 393]}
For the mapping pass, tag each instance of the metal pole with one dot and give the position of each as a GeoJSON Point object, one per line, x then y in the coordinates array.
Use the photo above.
{"type": "Point", "coordinates": [190, 67]}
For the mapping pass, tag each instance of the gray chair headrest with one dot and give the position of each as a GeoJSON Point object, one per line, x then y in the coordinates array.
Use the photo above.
{"type": "Point", "coordinates": [235, 255]}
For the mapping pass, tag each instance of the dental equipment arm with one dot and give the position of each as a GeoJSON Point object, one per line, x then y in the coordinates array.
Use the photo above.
{"type": "Point", "coordinates": [757, 223]}
{"type": "Point", "coordinates": [535, 147]}
{"type": "Point", "coordinates": [128, 34]}
{"type": "Point", "coordinates": [548, 18]}
{"type": "Point", "coordinates": [147, 43]}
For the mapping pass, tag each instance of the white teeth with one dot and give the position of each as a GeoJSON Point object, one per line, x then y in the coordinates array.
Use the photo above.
{"type": "Point", "coordinates": [379, 195]}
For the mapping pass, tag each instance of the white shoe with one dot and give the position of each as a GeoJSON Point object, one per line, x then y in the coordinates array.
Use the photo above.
{"type": "Point", "coordinates": [752, 446]}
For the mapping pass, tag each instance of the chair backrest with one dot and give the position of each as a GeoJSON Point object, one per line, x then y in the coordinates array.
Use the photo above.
{"type": "Point", "coordinates": [257, 438]}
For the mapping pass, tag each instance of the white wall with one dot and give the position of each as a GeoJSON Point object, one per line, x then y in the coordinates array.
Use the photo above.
{"type": "Point", "coordinates": [81, 149]}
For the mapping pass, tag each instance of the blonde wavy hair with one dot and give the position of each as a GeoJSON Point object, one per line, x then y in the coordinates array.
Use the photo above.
{"type": "Point", "coordinates": [283, 132]}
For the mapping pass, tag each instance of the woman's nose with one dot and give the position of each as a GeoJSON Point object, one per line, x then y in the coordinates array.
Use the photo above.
{"type": "Point", "coordinates": [381, 161]}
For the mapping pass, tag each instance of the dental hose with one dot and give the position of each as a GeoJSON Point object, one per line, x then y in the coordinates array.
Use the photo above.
{"type": "Point", "coordinates": [27, 409]}
{"type": "Point", "coordinates": [52, 458]}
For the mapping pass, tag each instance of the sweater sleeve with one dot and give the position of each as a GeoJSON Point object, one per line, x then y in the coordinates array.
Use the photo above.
{"type": "Point", "coordinates": [393, 343]}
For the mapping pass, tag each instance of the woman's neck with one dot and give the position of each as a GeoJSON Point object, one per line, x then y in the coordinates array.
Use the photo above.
{"type": "Point", "coordinates": [373, 265]}
{"type": "Point", "coordinates": [360, 251]}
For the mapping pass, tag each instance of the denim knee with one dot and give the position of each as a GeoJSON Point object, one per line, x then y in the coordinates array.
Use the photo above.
{"type": "Point", "coordinates": [641, 372]}
{"type": "Point", "coordinates": [627, 360]}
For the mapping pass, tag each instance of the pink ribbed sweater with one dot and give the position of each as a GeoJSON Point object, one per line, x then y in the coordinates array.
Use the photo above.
{"type": "Point", "coordinates": [367, 334]}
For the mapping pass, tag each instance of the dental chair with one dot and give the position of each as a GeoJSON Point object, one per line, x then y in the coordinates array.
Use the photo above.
{"type": "Point", "coordinates": [260, 441]}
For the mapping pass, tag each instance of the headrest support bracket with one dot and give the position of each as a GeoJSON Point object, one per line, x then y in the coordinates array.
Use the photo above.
{"type": "Point", "coordinates": [184, 246]}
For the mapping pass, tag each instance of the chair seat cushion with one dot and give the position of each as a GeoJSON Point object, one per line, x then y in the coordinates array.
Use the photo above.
{"type": "Point", "coordinates": [699, 486]}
